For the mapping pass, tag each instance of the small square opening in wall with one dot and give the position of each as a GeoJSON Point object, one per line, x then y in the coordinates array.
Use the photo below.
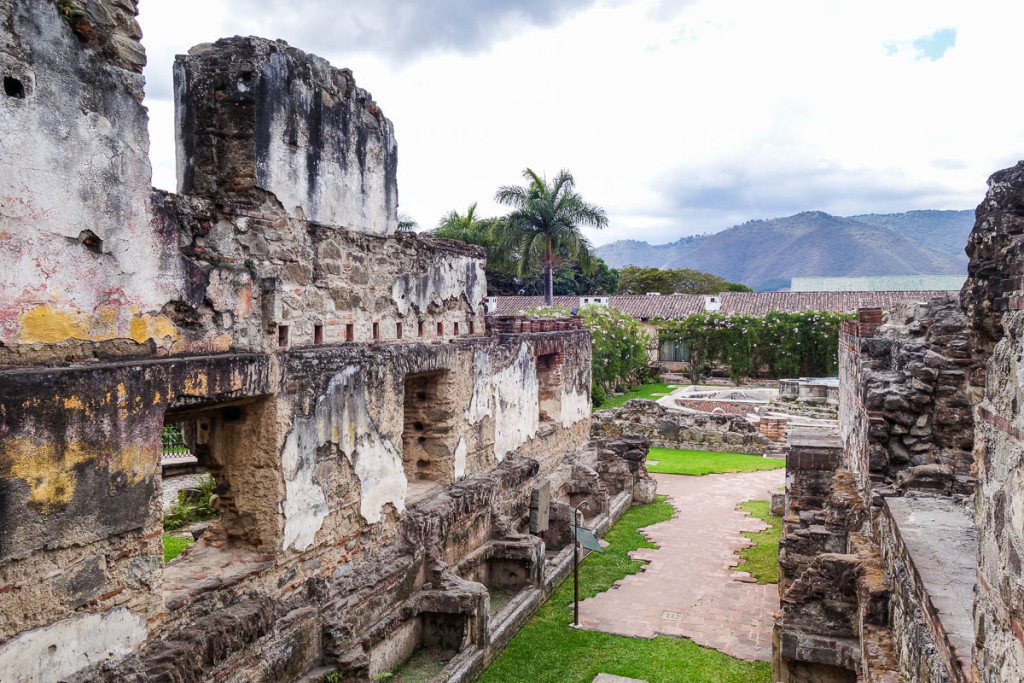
{"type": "Point", "coordinates": [13, 87]}
{"type": "Point", "coordinates": [419, 328]}
{"type": "Point", "coordinates": [398, 330]}
{"type": "Point", "coordinates": [282, 336]}
{"type": "Point", "coordinates": [427, 435]}
{"type": "Point", "coordinates": [456, 332]}
{"type": "Point", "coordinates": [318, 334]}
{"type": "Point", "coordinates": [376, 330]}
{"type": "Point", "coordinates": [440, 329]}
{"type": "Point", "coordinates": [549, 386]}
{"type": "Point", "coordinates": [350, 332]}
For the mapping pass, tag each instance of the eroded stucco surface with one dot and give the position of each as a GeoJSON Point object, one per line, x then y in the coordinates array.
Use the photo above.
{"type": "Point", "coordinates": [480, 405]}
{"type": "Point", "coordinates": [269, 312]}
{"type": "Point", "coordinates": [515, 403]}
{"type": "Point", "coordinates": [62, 649]}
{"type": "Point", "coordinates": [458, 279]}
{"type": "Point", "coordinates": [76, 200]}
{"type": "Point", "coordinates": [341, 419]}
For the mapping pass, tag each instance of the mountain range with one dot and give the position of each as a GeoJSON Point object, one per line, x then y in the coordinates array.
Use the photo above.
{"type": "Point", "coordinates": [765, 254]}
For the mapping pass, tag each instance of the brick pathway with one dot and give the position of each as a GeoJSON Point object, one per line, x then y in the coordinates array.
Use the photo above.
{"type": "Point", "coordinates": [688, 589]}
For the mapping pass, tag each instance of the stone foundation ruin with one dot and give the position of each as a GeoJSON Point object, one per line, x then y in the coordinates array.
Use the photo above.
{"type": "Point", "coordinates": [386, 456]}
{"type": "Point", "coordinates": [680, 428]}
{"type": "Point", "coordinates": [902, 532]}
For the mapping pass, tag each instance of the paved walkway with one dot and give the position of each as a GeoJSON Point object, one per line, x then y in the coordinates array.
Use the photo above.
{"type": "Point", "coordinates": [688, 589]}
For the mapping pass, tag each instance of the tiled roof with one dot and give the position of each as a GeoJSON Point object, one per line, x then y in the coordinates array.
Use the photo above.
{"type": "Point", "coordinates": [748, 303]}
{"type": "Point", "coordinates": [881, 283]}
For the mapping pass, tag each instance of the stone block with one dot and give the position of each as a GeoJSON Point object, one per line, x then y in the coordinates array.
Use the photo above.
{"type": "Point", "coordinates": [540, 507]}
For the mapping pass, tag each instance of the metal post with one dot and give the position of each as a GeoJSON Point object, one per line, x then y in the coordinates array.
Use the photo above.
{"type": "Point", "coordinates": [576, 565]}
{"type": "Point", "coordinates": [575, 580]}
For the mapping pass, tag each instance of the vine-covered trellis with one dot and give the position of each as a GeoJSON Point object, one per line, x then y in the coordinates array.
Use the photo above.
{"type": "Point", "coordinates": [777, 345]}
{"type": "Point", "coordinates": [621, 348]}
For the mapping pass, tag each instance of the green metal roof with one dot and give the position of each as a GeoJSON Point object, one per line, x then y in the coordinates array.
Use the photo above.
{"type": "Point", "coordinates": [879, 283]}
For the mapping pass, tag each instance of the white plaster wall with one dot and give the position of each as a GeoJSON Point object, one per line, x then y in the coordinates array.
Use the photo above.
{"type": "Point", "coordinates": [452, 278]}
{"type": "Point", "coordinates": [58, 651]}
{"type": "Point", "coordinates": [341, 192]}
{"type": "Point", "coordinates": [75, 158]}
{"type": "Point", "coordinates": [575, 406]}
{"type": "Point", "coordinates": [480, 405]}
{"type": "Point", "coordinates": [516, 403]}
{"type": "Point", "coordinates": [340, 417]}
{"type": "Point", "coordinates": [460, 459]}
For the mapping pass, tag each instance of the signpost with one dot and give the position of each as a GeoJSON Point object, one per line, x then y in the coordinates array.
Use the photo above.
{"type": "Point", "coordinates": [581, 537]}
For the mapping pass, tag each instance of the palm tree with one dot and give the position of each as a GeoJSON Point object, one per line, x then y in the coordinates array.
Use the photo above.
{"type": "Point", "coordinates": [456, 226]}
{"type": "Point", "coordinates": [473, 230]}
{"type": "Point", "coordinates": [406, 223]}
{"type": "Point", "coordinates": [545, 221]}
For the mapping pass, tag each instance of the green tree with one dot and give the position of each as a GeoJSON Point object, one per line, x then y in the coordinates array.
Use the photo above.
{"type": "Point", "coordinates": [569, 280]}
{"type": "Point", "coordinates": [472, 229]}
{"type": "Point", "coordinates": [406, 223]}
{"type": "Point", "coordinates": [777, 345]}
{"type": "Point", "coordinates": [640, 280]}
{"type": "Point", "coordinates": [546, 219]}
{"type": "Point", "coordinates": [620, 348]}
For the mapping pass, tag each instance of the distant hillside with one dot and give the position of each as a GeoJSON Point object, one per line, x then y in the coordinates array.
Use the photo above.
{"type": "Point", "coordinates": [812, 244]}
{"type": "Point", "coordinates": [945, 231]}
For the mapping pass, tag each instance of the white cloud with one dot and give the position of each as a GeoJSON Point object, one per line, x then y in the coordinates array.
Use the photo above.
{"type": "Point", "coordinates": [794, 103]}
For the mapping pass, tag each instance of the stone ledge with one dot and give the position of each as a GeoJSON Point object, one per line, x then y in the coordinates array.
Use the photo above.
{"type": "Point", "coordinates": [935, 538]}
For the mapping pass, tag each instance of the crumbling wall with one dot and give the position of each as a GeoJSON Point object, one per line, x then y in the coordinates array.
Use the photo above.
{"type": "Point", "coordinates": [281, 261]}
{"type": "Point", "coordinates": [103, 267]}
{"type": "Point", "coordinates": [993, 299]}
{"type": "Point", "coordinates": [905, 390]}
{"type": "Point", "coordinates": [296, 127]}
{"type": "Point", "coordinates": [667, 428]}
{"type": "Point", "coordinates": [853, 598]}
{"type": "Point", "coordinates": [85, 273]}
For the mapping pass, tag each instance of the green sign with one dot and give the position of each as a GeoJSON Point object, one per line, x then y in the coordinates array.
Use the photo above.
{"type": "Point", "coordinates": [586, 538]}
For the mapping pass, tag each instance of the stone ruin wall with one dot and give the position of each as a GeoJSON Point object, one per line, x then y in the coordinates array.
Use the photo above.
{"type": "Point", "coordinates": [993, 299]}
{"type": "Point", "coordinates": [853, 603]}
{"type": "Point", "coordinates": [271, 310]}
{"type": "Point", "coordinates": [906, 389]}
{"type": "Point", "coordinates": [930, 457]}
{"type": "Point", "coordinates": [688, 430]}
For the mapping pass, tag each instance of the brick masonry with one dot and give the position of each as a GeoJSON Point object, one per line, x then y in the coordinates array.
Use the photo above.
{"type": "Point", "coordinates": [376, 440]}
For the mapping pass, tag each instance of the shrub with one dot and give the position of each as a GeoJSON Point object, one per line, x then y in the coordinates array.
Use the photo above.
{"type": "Point", "coordinates": [193, 505]}
{"type": "Point", "coordinates": [620, 346]}
{"type": "Point", "coordinates": [777, 345]}
{"type": "Point", "coordinates": [597, 395]}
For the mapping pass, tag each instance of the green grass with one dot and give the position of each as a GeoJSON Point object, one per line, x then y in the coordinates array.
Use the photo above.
{"type": "Point", "coordinates": [174, 545]}
{"type": "Point", "coordinates": [762, 559]}
{"type": "Point", "coordinates": [421, 667]}
{"type": "Point", "coordinates": [548, 651]}
{"type": "Point", "coordinates": [651, 391]}
{"type": "Point", "coordinates": [699, 463]}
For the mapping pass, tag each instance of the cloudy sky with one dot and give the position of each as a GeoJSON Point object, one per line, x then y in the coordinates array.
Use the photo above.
{"type": "Point", "coordinates": [677, 116]}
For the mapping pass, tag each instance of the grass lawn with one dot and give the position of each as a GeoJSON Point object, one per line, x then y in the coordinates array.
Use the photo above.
{"type": "Point", "coordinates": [173, 546]}
{"type": "Point", "coordinates": [699, 463]}
{"type": "Point", "coordinates": [548, 651]}
{"type": "Point", "coordinates": [762, 560]}
{"type": "Point", "coordinates": [651, 391]}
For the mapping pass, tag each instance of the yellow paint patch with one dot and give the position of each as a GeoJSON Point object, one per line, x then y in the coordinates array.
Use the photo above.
{"type": "Point", "coordinates": [73, 403]}
{"type": "Point", "coordinates": [197, 384]}
{"type": "Point", "coordinates": [159, 328]}
{"type": "Point", "coordinates": [50, 473]}
{"type": "Point", "coordinates": [137, 463]}
{"type": "Point", "coordinates": [47, 325]}
{"type": "Point", "coordinates": [50, 476]}
{"type": "Point", "coordinates": [104, 322]}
